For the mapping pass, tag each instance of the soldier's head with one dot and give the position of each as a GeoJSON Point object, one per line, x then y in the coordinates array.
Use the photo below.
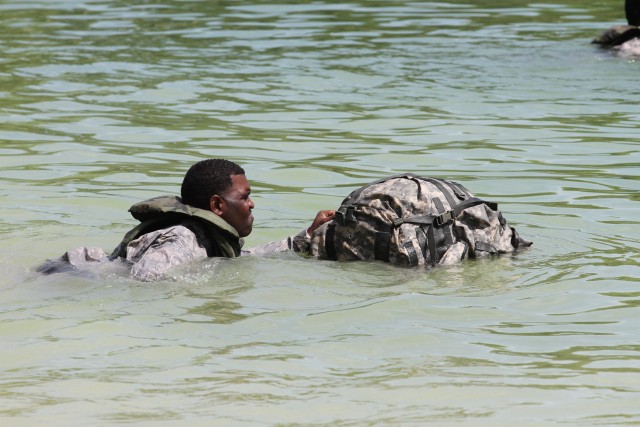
{"type": "Point", "coordinates": [220, 186]}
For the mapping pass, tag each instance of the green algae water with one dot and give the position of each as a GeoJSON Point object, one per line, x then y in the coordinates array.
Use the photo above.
{"type": "Point", "coordinates": [104, 103]}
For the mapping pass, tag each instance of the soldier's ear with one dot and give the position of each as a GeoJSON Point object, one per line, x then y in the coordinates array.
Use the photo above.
{"type": "Point", "coordinates": [217, 205]}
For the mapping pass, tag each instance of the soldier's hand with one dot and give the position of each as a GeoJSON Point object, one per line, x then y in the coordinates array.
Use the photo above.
{"type": "Point", "coordinates": [321, 218]}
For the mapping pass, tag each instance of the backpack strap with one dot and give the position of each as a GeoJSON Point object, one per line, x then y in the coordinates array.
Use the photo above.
{"type": "Point", "coordinates": [443, 231]}
{"type": "Point", "coordinates": [381, 245]}
{"type": "Point", "coordinates": [431, 240]}
{"type": "Point", "coordinates": [444, 187]}
{"type": "Point", "coordinates": [345, 214]}
{"type": "Point", "coordinates": [411, 252]}
{"type": "Point", "coordinates": [329, 242]}
{"type": "Point", "coordinates": [461, 192]}
{"type": "Point", "coordinates": [447, 216]}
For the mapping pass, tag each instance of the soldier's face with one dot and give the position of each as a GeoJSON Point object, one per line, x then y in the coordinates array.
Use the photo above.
{"type": "Point", "coordinates": [236, 205]}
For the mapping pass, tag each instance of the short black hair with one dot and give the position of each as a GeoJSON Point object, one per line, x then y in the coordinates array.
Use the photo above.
{"type": "Point", "coordinates": [205, 179]}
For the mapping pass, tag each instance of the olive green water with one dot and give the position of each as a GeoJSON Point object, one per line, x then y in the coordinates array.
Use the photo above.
{"type": "Point", "coordinates": [104, 103]}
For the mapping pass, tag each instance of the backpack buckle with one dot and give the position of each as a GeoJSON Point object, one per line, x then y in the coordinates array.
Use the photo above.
{"type": "Point", "coordinates": [350, 216]}
{"type": "Point", "coordinates": [340, 215]}
{"type": "Point", "coordinates": [345, 214]}
{"type": "Point", "coordinates": [443, 219]}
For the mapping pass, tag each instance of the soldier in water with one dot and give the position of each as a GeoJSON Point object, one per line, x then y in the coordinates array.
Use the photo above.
{"type": "Point", "coordinates": [210, 219]}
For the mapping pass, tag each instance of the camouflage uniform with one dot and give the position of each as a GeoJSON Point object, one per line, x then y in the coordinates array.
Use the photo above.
{"type": "Point", "coordinates": [170, 233]}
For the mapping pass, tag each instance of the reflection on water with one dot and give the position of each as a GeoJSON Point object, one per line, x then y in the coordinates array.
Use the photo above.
{"type": "Point", "coordinates": [104, 103]}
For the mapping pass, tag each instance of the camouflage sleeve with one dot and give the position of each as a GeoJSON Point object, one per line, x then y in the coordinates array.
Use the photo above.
{"type": "Point", "coordinates": [80, 256]}
{"type": "Point", "coordinates": [152, 254]}
{"type": "Point", "coordinates": [74, 259]}
{"type": "Point", "coordinates": [297, 243]}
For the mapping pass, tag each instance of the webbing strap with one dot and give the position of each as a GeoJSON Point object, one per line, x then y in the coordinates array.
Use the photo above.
{"type": "Point", "coordinates": [438, 183]}
{"type": "Point", "coordinates": [474, 201]}
{"type": "Point", "coordinates": [411, 252]}
{"type": "Point", "coordinates": [435, 226]}
{"type": "Point", "coordinates": [419, 219]}
{"type": "Point", "coordinates": [431, 240]}
{"type": "Point", "coordinates": [414, 179]}
{"type": "Point", "coordinates": [503, 222]}
{"type": "Point", "coordinates": [453, 213]}
{"type": "Point", "coordinates": [439, 205]}
{"type": "Point", "coordinates": [329, 242]}
{"type": "Point", "coordinates": [447, 232]}
{"type": "Point", "coordinates": [345, 213]}
{"type": "Point", "coordinates": [381, 246]}
{"type": "Point", "coordinates": [462, 192]}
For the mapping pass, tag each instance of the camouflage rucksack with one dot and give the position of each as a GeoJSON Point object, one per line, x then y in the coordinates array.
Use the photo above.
{"type": "Point", "coordinates": [413, 221]}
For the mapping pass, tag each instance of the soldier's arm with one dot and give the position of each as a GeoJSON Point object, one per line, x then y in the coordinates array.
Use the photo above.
{"type": "Point", "coordinates": [298, 243]}
{"type": "Point", "coordinates": [321, 218]}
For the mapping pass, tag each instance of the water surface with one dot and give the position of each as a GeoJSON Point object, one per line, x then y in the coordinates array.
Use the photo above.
{"type": "Point", "coordinates": [104, 103]}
